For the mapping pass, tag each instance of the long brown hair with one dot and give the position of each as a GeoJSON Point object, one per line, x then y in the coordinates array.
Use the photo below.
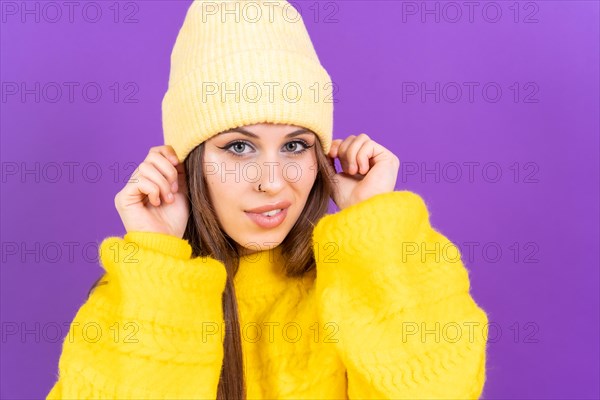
{"type": "Point", "coordinates": [206, 238]}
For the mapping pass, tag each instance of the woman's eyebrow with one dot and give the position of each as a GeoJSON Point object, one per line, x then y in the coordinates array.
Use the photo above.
{"type": "Point", "coordinates": [247, 133]}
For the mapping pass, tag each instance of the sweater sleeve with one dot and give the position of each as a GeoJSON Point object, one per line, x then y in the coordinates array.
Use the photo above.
{"type": "Point", "coordinates": [399, 297]}
{"type": "Point", "coordinates": [152, 330]}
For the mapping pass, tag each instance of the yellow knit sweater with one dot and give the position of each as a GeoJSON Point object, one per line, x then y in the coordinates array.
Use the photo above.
{"type": "Point", "coordinates": [388, 314]}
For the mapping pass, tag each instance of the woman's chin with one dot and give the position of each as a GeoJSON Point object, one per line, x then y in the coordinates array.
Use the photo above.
{"type": "Point", "coordinates": [261, 242]}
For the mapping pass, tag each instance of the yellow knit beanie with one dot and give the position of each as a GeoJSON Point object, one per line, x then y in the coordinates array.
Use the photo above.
{"type": "Point", "coordinates": [238, 63]}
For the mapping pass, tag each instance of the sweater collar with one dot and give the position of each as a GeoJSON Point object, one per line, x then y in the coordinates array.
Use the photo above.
{"type": "Point", "coordinates": [260, 273]}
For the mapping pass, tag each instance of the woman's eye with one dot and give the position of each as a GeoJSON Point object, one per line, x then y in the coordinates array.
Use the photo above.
{"type": "Point", "coordinates": [293, 146]}
{"type": "Point", "coordinates": [236, 148]}
{"type": "Point", "coordinates": [239, 146]}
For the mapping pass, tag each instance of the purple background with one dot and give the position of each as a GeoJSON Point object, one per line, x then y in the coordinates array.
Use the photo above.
{"type": "Point", "coordinates": [543, 298]}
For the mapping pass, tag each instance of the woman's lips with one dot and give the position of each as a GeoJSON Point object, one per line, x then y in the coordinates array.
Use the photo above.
{"type": "Point", "coordinates": [269, 207]}
{"type": "Point", "coordinates": [268, 222]}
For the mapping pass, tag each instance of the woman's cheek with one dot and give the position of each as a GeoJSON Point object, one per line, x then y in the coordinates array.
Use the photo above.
{"type": "Point", "coordinates": [307, 173]}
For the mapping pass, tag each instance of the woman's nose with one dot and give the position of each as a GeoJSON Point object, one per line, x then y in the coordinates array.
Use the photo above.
{"type": "Point", "coordinates": [271, 175]}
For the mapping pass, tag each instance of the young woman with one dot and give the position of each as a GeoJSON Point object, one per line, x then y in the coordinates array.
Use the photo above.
{"type": "Point", "coordinates": [232, 282]}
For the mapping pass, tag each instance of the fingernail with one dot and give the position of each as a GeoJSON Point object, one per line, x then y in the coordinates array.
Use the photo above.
{"type": "Point", "coordinates": [174, 187]}
{"type": "Point", "coordinates": [170, 196]}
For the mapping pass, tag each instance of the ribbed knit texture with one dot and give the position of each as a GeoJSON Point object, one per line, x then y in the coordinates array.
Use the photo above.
{"type": "Point", "coordinates": [232, 68]}
{"type": "Point", "coordinates": [343, 332]}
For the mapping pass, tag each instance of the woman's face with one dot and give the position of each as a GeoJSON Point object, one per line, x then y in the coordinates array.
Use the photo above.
{"type": "Point", "coordinates": [281, 158]}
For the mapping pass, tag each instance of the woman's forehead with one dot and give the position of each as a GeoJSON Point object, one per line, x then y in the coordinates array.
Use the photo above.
{"type": "Point", "coordinates": [269, 131]}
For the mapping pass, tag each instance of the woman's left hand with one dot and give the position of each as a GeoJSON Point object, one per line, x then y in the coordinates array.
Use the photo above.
{"type": "Point", "coordinates": [367, 169]}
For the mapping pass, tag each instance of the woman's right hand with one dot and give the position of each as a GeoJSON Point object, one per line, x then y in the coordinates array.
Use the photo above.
{"type": "Point", "coordinates": [155, 199]}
